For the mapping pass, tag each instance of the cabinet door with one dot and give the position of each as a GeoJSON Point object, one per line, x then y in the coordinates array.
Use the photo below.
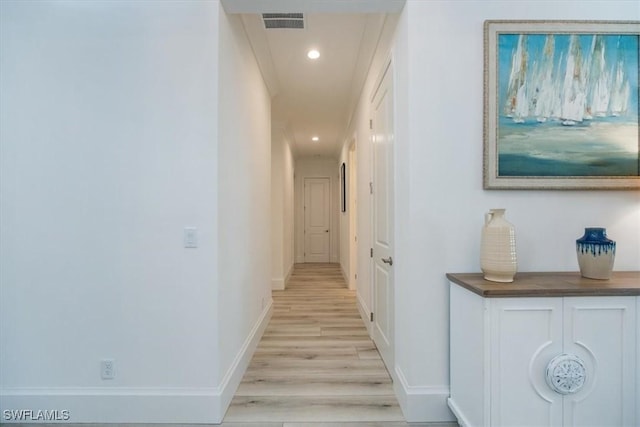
{"type": "Point", "coordinates": [602, 332]}
{"type": "Point", "coordinates": [526, 334]}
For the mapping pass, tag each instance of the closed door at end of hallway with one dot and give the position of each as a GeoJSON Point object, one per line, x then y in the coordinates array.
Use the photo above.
{"type": "Point", "coordinates": [317, 204]}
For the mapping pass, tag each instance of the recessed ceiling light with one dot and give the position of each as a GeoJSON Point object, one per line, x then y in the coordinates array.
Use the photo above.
{"type": "Point", "coordinates": [313, 54]}
{"type": "Point", "coordinates": [315, 139]}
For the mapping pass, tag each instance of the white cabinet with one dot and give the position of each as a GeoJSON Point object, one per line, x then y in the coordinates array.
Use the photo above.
{"type": "Point", "coordinates": [501, 349]}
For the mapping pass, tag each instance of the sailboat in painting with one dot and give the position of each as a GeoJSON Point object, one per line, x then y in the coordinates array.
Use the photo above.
{"type": "Point", "coordinates": [516, 106]}
{"type": "Point", "coordinates": [621, 91]}
{"type": "Point", "coordinates": [543, 99]}
{"type": "Point", "coordinates": [568, 86]}
{"type": "Point", "coordinates": [599, 94]}
{"type": "Point", "coordinates": [573, 93]}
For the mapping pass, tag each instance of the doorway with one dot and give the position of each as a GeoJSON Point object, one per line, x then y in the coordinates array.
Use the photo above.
{"type": "Point", "coordinates": [317, 219]}
{"type": "Point", "coordinates": [382, 126]}
{"type": "Point", "coordinates": [352, 209]}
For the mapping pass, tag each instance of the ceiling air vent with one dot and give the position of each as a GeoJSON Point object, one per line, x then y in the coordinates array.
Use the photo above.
{"type": "Point", "coordinates": [283, 20]}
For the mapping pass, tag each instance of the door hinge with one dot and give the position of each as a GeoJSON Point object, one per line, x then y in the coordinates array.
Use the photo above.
{"type": "Point", "coordinates": [356, 276]}
{"type": "Point", "coordinates": [370, 187]}
{"type": "Point", "coordinates": [370, 123]}
{"type": "Point", "coordinates": [371, 253]}
{"type": "Point", "coordinates": [372, 317]}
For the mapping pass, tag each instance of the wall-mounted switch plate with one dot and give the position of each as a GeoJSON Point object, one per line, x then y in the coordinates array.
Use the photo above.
{"type": "Point", "coordinates": [190, 237]}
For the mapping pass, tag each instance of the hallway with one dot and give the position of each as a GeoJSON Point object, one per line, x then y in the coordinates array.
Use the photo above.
{"type": "Point", "coordinates": [315, 362]}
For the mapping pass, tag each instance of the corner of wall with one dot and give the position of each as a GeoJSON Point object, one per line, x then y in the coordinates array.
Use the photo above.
{"type": "Point", "coordinates": [365, 312]}
{"type": "Point", "coordinates": [278, 284]}
{"type": "Point", "coordinates": [421, 404]}
{"type": "Point", "coordinates": [234, 375]}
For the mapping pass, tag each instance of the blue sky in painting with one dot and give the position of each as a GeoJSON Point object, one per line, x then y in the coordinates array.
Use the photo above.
{"type": "Point", "coordinates": [615, 45]}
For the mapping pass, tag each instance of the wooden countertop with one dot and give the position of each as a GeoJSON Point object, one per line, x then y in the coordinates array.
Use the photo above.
{"type": "Point", "coordinates": [550, 284]}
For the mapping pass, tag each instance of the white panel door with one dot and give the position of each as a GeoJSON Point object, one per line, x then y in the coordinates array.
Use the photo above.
{"type": "Point", "coordinates": [382, 201]}
{"type": "Point", "coordinates": [317, 204]}
{"type": "Point", "coordinates": [600, 331]}
{"type": "Point", "coordinates": [526, 334]}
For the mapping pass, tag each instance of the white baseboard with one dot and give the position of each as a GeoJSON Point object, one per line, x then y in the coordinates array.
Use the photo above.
{"type": "Point", "coordinates": [288, 276]}
{"type": "Point", "coordinates": [462, 420]}
{"type": "Point", "coordinates": [422, 404]}
{"type": "Point", "coordinates": [365, 313]}
{"type": "Point", "coordinates": [232, 378]}
{"type": "Point", "coordinates": [179, 405]}
{"type": "Point", "coordinates": [277, 284]}
{"type": "Point", "coordinates": [280, 283]}
{"type": "Point", "coordinates": [345, 276]}
{"type": "Point", "coordinates": [112, 405]}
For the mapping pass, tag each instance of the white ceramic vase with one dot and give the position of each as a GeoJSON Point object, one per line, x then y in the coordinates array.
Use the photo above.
{"type": "Point", "coordinates": [498, 248]}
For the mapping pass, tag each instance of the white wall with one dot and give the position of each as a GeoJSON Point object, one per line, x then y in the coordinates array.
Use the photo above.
{"type": "Point", "coordinates": [343, 221]}
{"type": "Point", "coordinates": [108, 124]}
{"type": "Point", "coordinates": [439, 195]}
{"type": "Point", "coordinates": [119, 127]}
{"type": "Point", "coordinates": [345, 240]}
{"type": "Point", "coordinates": [317, 168]}
{"type": "Point", "coordinates": [288, 217]}
{"type": "Point", "coordinates": [244, 197]}
{"type": "Point", "coordinates": [282, 207]}
{"type": "Point", "coordinates": [437, 49]}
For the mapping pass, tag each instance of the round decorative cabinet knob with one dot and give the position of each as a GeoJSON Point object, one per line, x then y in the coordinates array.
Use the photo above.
{"type": "Point", "coordinates": [566, 374]}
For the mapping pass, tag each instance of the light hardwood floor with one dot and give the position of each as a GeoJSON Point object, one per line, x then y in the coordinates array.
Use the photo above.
{"type": "Point", "coordinates": [315, 365]}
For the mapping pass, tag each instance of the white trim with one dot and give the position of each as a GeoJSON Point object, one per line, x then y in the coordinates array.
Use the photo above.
{"type": "Point", "coordinates": [116, 405]}
{"type": "Point", "coordinates": [365, 313]}
{"type": "Point", "coordinates": [236, 371]}
{"type": "Point", "coordinates": [313, 6]}
{"type": "Point", "coordinates": [462, 420]}
{"type": "Point", "coordinates": [345, 276]}
{"type": "Point", "coordinates": [280, 283]}
{"type": "Point", "coordinates": [422, 403]}
{"type": "Point", "coordinates": [183, 405]}
{"type": "Point", "coordinates": [288, 276]}
{"type": "Point", "coordinates": [277, 284]}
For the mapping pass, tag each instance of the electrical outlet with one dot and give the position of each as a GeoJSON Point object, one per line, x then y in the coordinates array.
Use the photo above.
{"type": "Point", "coordinates": [190, 237]}
{"type": "Point", "coordinates": [107, 369]}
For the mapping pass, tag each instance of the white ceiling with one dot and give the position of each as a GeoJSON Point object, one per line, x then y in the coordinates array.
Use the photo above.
{"type": "Point", "coordinates": [315, 98]}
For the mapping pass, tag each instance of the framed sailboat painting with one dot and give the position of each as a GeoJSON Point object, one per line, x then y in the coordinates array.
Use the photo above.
{"type": "Point", "coordinates": [561, 105]}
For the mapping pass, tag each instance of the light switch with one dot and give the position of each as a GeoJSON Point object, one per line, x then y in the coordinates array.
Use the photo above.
{"type": "Point", "coordinates": [190, 237]}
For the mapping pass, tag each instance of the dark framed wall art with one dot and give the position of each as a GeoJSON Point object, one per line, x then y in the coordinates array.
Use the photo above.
{"type": "Point", "coordinates": [343, 187]}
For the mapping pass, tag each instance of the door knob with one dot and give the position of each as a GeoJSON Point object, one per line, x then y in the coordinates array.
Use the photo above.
{"type": "Point", "coordinates": [326, 231]}
{"type": "Point", "coordinates": [387, 260]}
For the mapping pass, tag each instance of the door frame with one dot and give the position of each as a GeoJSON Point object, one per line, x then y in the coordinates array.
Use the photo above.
{"type": "Point", "coordinates": [352, 212]}
{"type": "Point", "coordinates": [387, 68]}
{"type": "Point", "coordinates": [304, 214]}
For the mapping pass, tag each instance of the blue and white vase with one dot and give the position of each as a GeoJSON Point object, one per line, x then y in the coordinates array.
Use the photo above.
{"type": "Point", "coordinates": [596, 253]}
